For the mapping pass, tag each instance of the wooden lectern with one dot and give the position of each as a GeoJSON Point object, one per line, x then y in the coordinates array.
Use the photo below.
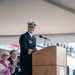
{"type": "Point", "coordinates": [51, 60]}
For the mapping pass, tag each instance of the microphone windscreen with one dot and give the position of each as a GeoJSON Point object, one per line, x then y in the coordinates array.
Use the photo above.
{"type": "Point", "coordinates": [40, 36]}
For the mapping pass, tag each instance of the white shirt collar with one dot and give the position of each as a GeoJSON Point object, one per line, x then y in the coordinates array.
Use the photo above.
{"type": "Point", "coordinates": [30, 34]}
{"type": "Point", "coordinates": [13, 59]}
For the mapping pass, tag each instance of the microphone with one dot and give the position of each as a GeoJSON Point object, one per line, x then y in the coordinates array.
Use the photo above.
{"type": "Point", "coordinates": [42, 36]}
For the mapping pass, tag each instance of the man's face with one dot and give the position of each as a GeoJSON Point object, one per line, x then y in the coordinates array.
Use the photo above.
{"type": "Point", "coordinates": [31, 29]}
{"type": "Point", "coordinates": [14, 55]}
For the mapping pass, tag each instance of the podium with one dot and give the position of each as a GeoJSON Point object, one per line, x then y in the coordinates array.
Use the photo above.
{"type": "Point", "coordinates": [51, 60]}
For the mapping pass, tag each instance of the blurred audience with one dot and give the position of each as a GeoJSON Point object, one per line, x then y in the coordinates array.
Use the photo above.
{"type": "Point", "coordinates": [13, 60]}
{"type": "Point", "coordinates": [18, 65]}
{"type": "Point", "coordinates": [5, 66]}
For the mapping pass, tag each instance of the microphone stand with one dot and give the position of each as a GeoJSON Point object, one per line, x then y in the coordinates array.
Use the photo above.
{"type": "Point", "coordinates": [45, 42]}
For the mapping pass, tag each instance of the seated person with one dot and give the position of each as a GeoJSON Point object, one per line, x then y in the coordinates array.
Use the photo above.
{"type": "Point", "coordinates": [5, 66]}
{"type": "Point", "coordinates": [13, 60]}
{"type": "Point", "coordinates": [18, 70]}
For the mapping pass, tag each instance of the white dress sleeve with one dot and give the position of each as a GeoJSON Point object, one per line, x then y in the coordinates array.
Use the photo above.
{"type": "Point", "coordinates": [2, 68]}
